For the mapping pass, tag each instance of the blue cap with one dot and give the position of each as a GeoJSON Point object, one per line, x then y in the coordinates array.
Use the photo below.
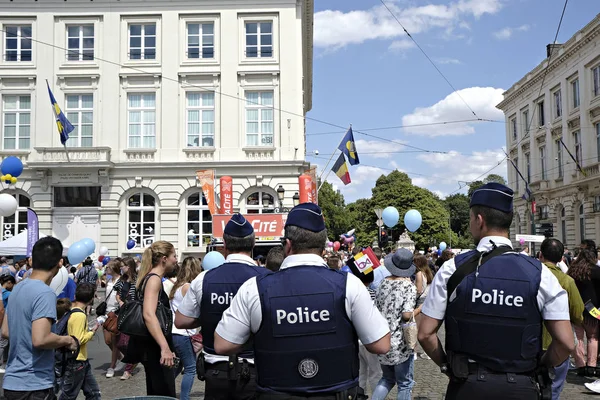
{"type": "Point", "coordinates": [306, 216]}
{"type": "Point", "coordinates": [238, 226]}
{"type": "Point", "coordinates": [493, 195]}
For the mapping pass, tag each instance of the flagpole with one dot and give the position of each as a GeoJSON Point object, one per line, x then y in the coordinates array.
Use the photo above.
{"type": "Point", "coordinates": [67, 153]}
{"type": "Point", "coordinates": [327, 165]}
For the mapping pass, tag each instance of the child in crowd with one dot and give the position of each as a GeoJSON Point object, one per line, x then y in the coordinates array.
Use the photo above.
{"type": "Point", "coordinates": [7, 282]}
{"type": "Point", "coordinates": [62, 306]}
{"type": "Point", "coordinates": [78, 375]}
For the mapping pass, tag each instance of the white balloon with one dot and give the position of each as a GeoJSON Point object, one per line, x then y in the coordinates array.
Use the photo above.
{"type": "Point", "coordinates": [60, 281]}
{"type": "Point", "coordinates": [8, 205]}
{"type": "Point", "coordinates": [103, 251]}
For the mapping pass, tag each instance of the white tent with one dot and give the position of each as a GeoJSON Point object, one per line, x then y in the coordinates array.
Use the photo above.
{"type": "Point", "coordinates": [16, 245]}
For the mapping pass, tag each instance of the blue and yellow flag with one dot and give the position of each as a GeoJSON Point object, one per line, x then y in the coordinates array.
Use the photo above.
{"type": "Point", "coordinates": [62, 123]}
{"type": "Point", "coordinates": [348, 147]}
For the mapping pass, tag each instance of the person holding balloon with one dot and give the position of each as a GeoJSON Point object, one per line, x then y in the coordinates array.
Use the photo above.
{"type": "Point", "coordinates": [208, 297]}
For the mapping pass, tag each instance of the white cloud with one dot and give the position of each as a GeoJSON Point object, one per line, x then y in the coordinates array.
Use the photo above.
{"type": "Point", "coordinates": [446, 60]}
{"type": "Point", "coordinates": [506, 33]}
{"type": "Point", "coordinates": [422, 181]}
{"type": "Point", "coordinates": [363, 179]}
{"type": "Point", "coordinates": [377, 148]}
{"type": "Point", "coordinates": [401, 45]}
{"type": "Point", "coordinates": [335, 29]}
{"type": "Point", "coordinates": [465, 167]}
{"type": "Point", "coordinates": [482, 100]}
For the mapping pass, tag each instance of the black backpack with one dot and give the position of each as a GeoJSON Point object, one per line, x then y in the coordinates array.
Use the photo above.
{"type": "Point", "coordinates": [63, 356]}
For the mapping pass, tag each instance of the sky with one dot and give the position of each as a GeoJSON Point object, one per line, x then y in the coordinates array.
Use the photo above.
{"type": "Point", "coordinates": [369, 73]}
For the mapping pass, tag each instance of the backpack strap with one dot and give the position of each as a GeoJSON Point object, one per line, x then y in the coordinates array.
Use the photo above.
{"type": "Point", "coordinates": [471, 265]}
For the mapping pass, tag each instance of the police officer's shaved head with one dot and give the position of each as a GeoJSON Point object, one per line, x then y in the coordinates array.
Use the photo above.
{"type": "Point", "coordinates": [552, 250]}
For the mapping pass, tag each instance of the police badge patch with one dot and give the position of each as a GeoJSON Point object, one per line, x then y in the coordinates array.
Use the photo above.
{"type": "Point", "coordinates": [308, 368]}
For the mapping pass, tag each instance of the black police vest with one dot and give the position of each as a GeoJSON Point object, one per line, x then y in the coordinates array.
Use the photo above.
{"type": "Point", "coordinates": [218, 288]}
{"type": "Point", "coordinates": [306, 343]}
{"type": "Point", "coordinates": [495, 319]}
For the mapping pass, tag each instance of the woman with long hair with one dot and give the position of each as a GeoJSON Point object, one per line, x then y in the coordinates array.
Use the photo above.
{"type": "Point", "coordinates": [423, 278]}
{"type": "Point", "coordinates": [112, 304]}
{"type": "Point", "coordinates": [586, 274]}
{"type": "Point", "coordinates": [156, 350]}
{"type": "Point", "coordinates": [125, 289]}
{"type": "Point", "coordinates": [189, 269]}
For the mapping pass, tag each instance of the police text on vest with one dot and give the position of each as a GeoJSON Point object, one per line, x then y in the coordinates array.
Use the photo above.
{"type": "Point", "coordinates": [302, 316]}
{"type": "Point", "coordinates": [224, 299]}
{"type": "Point", "coordinates": [497, 298]}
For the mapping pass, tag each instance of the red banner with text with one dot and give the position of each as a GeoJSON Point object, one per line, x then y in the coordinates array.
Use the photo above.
{"type": "Point", "coordinates": [226, 195]}
{"type": "Point", "coordinates": [266, 226]}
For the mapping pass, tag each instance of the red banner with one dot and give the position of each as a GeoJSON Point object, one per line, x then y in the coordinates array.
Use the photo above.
{"type": "Point", "coordinates": [226, 194]}
{"type": "Point", "coordinates": [207, 180]}
{"type": "Point", "coordinates": [305, 184]}
{"type": "Point", "coordinates": [265, 225]}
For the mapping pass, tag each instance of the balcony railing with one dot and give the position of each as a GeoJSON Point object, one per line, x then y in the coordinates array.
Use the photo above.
{"type": "Point", "coordinates": [92, 155]}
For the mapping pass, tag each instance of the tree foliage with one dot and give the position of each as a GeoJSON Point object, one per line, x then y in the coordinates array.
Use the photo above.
{"type": "Point", "coordinates": [494, 178]}
{"type": "Point", "coordinates": [334, 211]}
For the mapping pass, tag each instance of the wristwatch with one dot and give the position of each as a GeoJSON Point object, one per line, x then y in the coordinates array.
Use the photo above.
{"type": "Point", "coordinates": [444, 368]}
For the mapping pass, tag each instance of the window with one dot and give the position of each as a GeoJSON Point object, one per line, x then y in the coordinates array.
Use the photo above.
{"type": "Point", "coordinates": [16, 223]}
{"type": "Point", "coordinates": [596, 79]}
{"type": "Point", "coordinates": [559, 157]}
{"type": "Point", "coordinates": [544, 212]}
{"type": "Point", "coordinates": [80, 112]}
{"type": "Point", "coordinates": [142, 41]}
{"type": "Point", "coordinates": [141, 221]}
{"type": "Point", "coordinates": [541, 116]}
{"type": "Point", "coordinates": [563, 226]}
{"type": "Point", "coordinates": [517, 177]}
{"type": "Point", "coordinates": [525, 122]}
{"type": "Point", "coordinates": [200, 40]}
{"type": "Point", "coordinates": [199, 220]}
{"type": "Point", "coordinates": [259, 119]}
{"type": "Point", "coordinates": [575, 92]}
{"type": "Point", "coordinates": [260, 203]}
{"type": "Point", "coordinates": [557, 104]}
{"type": "Point", "coordinates": [596, 203]}
{"type": "Point", "coordinates": [80, 42]}
{"type": "Point", "coordinates": [581, 223]}
{"type": "Point", "coordinates": [17, 43]}
{"type": "Point", "coordinates": [141, 110]}
{"type": "Point", "coordinates": [200, 119]}
{"type": "Point", "coordinates": [16, 118]}
{"type": "Point", "coordinates": [513, 124]}
{"type": "Point", "coordinates": [577, 140]}
{"type": "Point", "coordinates": [543, 162]}
{"type": "Point", "coordinates": [598, 140]}
{"type": "Point", "coordinates": [528, 167]}
{"type": "Point", "coordinates": [259, 39]}
{"type": "Point", "coordinates": [77, 196]}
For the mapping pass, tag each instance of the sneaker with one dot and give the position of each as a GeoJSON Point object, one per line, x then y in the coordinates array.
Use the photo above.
{"type": "Point", "coordinates": [2, 370]}
{"type": "Point", "coordinates": [594, 386]}
{"type": "Point", "coordinates": [424, 356]}
{"type": "Point", "coordinates": [126, 375]}
{"type": "Point", "coordinates": [120, 366]}
{"type": "Point", "coordinates": [415, 356]}
{"type": "Point", "coordinates": [110, 373]}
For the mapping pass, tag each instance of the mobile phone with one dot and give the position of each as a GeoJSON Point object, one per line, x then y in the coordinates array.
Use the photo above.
{"type": "Point", "coordinates": [176, 362]}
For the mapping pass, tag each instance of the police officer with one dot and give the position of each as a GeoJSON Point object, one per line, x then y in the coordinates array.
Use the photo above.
{"type": "Point", "coordinates": [306, 319]}
{"type": "Point", "coordinates": [210, 294]}
{"type": "Point", "coordinates": [493, 302]}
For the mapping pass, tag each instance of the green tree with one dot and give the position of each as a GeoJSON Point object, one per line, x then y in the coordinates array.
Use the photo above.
{"type": "Point", "coordinates": [473, 186]}
{"type": "Point", "coordinates": [494, 178]}
{"type": "Point", "coordinates": [334, 211]}
{"type": "Point", "coordinates": [458, 207]}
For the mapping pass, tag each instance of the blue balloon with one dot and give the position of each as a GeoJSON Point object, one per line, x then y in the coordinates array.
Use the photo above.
{"type": "Point", "coordinates": [439, 252]}
{"type": "Point", "coordinates": [77, 253]}
{"type": "Point", "coordinates": [105, 260]}
{"type": "Point", "coordinates": [412, 220]}
{"type": "Point", "coordinates": [212, 260]}
{"type": "Point", "coordinates": [89, 244]}
{"type": "Point", "coordinates": [390, 216]}
{"type": "Point", "coordinates": [130, 244]}
{"type": "Point", "coordinates": [12, 165]}
{"type": "Point", "coordinates": [443, 246]}
{"type": "Point", "coordinates": [346, 268]}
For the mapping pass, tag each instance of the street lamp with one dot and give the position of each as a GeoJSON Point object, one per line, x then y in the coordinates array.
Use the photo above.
{"type": "Point", "coordinates": [266, 199]}
{"type": "Point", "coordinates": [296, 199]}
{"type": "Point", "coordinates": [280, 195]}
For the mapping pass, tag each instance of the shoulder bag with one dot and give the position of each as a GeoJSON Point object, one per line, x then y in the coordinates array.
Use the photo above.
{"type": "Point", "coordinates": [101, 308]}
{"type": "Point", "coordinates": [131, 315]}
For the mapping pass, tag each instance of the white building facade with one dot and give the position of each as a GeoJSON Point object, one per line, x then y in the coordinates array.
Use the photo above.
{"type": "Point", "coordinates": [545, 122]}
{"type": "Point", "coordinates": [156, 91]}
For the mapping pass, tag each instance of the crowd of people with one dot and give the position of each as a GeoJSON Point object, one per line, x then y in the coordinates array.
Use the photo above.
{"type": "Point", "coordinates": [304, 320]}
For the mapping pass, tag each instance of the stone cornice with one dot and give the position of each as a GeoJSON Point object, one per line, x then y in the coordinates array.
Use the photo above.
{"type": "Point", "coordinates": [537, 74]}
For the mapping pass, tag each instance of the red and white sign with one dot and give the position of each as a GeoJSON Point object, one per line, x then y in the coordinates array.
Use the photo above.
{"type": "Point", "coordinates": [226, 194]}
{"type": "Point", "coordinates": [265, 225]}
{"type": "Point", "coordinates": [305, 184]}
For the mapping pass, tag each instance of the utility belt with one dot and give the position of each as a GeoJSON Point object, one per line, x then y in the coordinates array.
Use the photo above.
{"type": "Point", "coordinates": [235, 368]}
{"type": "Point", "coordinates": [461, 368]}
{"type": "Point", "coordinates": [355, 393]}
